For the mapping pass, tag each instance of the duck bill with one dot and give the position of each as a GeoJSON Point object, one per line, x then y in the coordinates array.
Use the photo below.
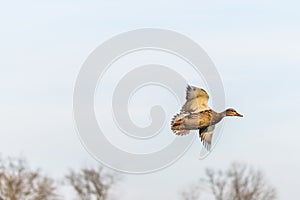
{"type": "Point", "coordinates": [238, 115]}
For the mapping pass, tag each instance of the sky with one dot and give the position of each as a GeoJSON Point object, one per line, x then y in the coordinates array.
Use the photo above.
{"type": "Point", "coordinates": [253, 44]}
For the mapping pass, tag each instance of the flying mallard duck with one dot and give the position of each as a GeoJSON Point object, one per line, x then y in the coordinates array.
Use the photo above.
{"type": "Point", "coordinates": [196, 115]}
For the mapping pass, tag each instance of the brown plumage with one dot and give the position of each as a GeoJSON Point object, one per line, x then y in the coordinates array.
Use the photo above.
{"type": "Point", "coordinates": [204, 121]}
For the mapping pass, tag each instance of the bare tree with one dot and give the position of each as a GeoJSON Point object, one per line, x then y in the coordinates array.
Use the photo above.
{"type": "Point", "coordinates": [18, 182]}
{"type": "Point", "coordinates": [191, 193]}
{"type": "Point", "coordinates": [91, 183]}
{"type": "Point", "coordinates": [239, 182]}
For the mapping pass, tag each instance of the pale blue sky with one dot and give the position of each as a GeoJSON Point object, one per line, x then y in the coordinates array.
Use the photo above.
{"type": "Point", "coordinates": [254, 45]}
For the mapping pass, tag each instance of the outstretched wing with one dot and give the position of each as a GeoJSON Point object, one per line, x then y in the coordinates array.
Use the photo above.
{"type": "Point", "coordinates": [189, 92]}
{"type": "Point", "coordinates": [196, 100]}
{"type": "Point", "coordinates": [193, 92]}
{"type": "Point", "coordinates": [205, 135]}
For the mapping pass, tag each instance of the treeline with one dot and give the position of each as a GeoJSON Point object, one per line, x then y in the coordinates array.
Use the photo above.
{"type": "Point", "coordinates": [19, 182]}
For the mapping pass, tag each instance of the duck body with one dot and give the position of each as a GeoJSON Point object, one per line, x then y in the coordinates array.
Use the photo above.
{"type": "Point", "coordinates": [198, 120]}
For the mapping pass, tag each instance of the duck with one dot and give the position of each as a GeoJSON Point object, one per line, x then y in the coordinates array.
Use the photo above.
{"type": "Point", "coordinates": [195, 114]}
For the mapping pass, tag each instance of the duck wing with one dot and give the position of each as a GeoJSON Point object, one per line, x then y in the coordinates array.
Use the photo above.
{"type": "Point", "coordinates": [205, 135]}
{"type": "Point", "coordinates": [196, 100]}
{"type": "Point", "coordinates": [190, 92]}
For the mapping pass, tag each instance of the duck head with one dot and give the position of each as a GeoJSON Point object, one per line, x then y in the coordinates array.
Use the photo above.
{"type": "Point", "coordinates": [232, 112]}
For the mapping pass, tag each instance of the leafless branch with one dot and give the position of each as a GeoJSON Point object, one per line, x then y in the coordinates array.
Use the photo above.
{"type": "Point", "coordinates": [239, 182]}
{"type": "Point", "coordinates": [91, 183]}
{"type": "Point", "coordinates": [17, 182]}
{"type": "Point", "coordinates": [193, 192]}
